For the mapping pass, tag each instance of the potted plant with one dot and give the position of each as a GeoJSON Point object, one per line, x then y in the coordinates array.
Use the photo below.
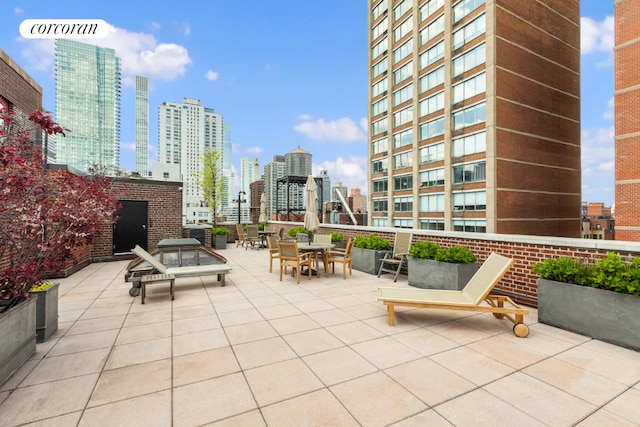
{"type": "Point", "coordinates": [44, 215]}
{"type": "Point", "coordinates": [293, 231]}
{"type": "Point", "coordinates": [600, 300]}
{"type": "Point", "coordinates": [432, 267]}
{"type": "Point", "coordinates": [338, 240]}
{"type": "Point", "coordinates": [219, 235]}
{"type": "Point", "coordinates": [46, 309]}
{"type": "Point", "coordinates": [368, 252]}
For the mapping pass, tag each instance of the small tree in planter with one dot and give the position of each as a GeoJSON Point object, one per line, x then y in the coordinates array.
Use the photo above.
{"type": "Point", "coordinates": [432, 267]}
{"type": "Point", "coordinates": [219, 237]}
{"type": "Point", "coordinates": [368, 252]}
{"type": "Point", "coordinates": [598, 300]}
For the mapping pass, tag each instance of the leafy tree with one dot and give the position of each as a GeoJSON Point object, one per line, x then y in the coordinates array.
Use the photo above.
{"type": "Point", "coordinates": [44, 213]}
{"type": "Point", "coordinates": [212, 182]}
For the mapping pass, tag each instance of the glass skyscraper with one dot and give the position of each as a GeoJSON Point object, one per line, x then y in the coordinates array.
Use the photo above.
{"type": "Point", "coordinates": [142, 126]}
{"type": "Point", "coordinates": [88, 104]}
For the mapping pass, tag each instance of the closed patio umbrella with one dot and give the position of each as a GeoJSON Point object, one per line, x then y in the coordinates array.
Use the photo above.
{"type": "Point", "coordinates": [263, 209]}
{"type": "Point", "coordinates": [311, 222]}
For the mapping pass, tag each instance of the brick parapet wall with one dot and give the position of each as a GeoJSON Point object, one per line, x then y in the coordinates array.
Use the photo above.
{"type": "Point", "coordinates": [519, 283]}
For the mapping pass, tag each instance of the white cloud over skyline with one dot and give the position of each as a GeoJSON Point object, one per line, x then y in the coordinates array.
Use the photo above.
{"type": "Point", "coordinates": [340, 130]}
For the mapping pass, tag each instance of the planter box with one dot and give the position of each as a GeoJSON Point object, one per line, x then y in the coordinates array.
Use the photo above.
{"type": "Point", "coordinates": [46, 312]}
{"type": "Point", "coordinates": [18, 338]}
{"type": "Point", "coordinates": [430, 274]}
{"type": "Point", "coordinates": [367, 260]}
{"type": "Point", "coordinates": [597, 313]}
{"type": "Point", "coordinates": [220, 241]}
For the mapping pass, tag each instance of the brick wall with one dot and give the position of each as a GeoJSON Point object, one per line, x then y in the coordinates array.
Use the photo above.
{"type": "Point", "coordinates": [519, 283]}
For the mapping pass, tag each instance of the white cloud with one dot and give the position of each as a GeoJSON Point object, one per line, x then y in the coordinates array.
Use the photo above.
{"type": "Point", "coordinates": [141, 55]}
{"type": "Point", "coordinates": [596, 36]}
{"type": "Point", "coordinates": [211, 75]}
{"type": "Point", "coordinates": [352, 172]}
{"type": "Point", "coordinates": [254, 150]}
{"type": "Point", "coordinates": [131, 146]}
{"type": "Point", "coordinates": [18, 10]}
{"type": "Point", "coordinates": [609, 112]}
{"type": "Point", "coordinates": [343, 129]}
{"type": "Point", "coordinates": [598, 165]}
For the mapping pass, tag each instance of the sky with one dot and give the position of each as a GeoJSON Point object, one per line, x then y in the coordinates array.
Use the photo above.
{"type": "Point", "coordinates": [282, 74]}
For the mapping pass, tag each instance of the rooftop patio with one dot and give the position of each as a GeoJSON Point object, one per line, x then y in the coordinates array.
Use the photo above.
{"type": "Point", "coordinates": [263, 352]}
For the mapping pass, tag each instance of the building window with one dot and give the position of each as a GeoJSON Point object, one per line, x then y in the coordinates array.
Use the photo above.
{"type": "Point", "coordinates": [470, 88]}
{"type": "Point", "coordinates": [379, 222]}
{"type": "Point", "coordinates": [380, 205]}
{"type": "Point", "coordinates": [379, 10]}
{"type": "Point", "coordinates": [469, 116]}
{"type": "Point", "coordinates": [402, 30]}
{"type": "Point", "coordinates": [404, 182]}
{"type": "Point", "coordinates": [470, 144]}
{"type": "Point", "coordinates": [379, 68]}
{"type": "Point", "coordinates": [472, 172]}
{"type": "Point", "coordinates": [469, 32]}
{"type": "Point", "coordinates": [403, 94]}
{"type": "Point", "coordinates": [380, 29]}
{"type": "Point", "coordinates": [379, 126]}
{"type": "Point", "coordinates": [380, 185]}
{"type": "Point", "coordinates": [470, 201]}
{"type": "Point", "coordinates": [403, 73]}
{"type": "Point", "coordinates": [432, 30]}
{"type": "Point", "coordinates": [403, 138]}
{"type": "Point", "coordinates": [432, 177]}
{"type": "Point", "coordinates": [379, 48]}
{"type": "Point", "coordinates": [429, 8]}
{"type": "Point", "coordinates": [403, 204]}
{"type": "Point", "coordinates": [432, 128]}
{"type": "Point", "coordinates": [402, 160]}
{"type": "Point", "coordinates": [432, 104]}
{"type": "Point", "coordinates": [469, 60]}
{"type": "Point", "coordinates": [465, 7]}
{"type": "Point", "coordinates": [403, 116]}
{"type": "Point", "coordinates": [432, 55]}
{"type": "Point", "coordinates": [432, 203]}
{"type": "Point", "coordinates": [402, 52]}
{"type": "Point", "coordinates": [432, 224]}
{"type": "Point", "coordinates": [380, 146]}
{"type": "Point", "coordinates": [432, 153]}
{"type": "Point", "coordinates": [401, 9]}
{"type": "Point", "coordinates": [470, 226]}
{"type": "Point", "coordinates": [431, 80]}
{"type": "Point", "coordinates": [402, 223]}
{"type": "Point", "coordinates": [380, 106]}
{"type": "Point", "coordinates": [379, 165]}
{"type": "Point", "coordinates": [379, 87]}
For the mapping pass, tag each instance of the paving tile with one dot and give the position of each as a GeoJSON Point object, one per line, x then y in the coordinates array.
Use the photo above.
{"type": "Point", "coordinates": [616, 368]}
{"type": "Point", "coordinates": [338, 365]}
{"type": "Point", "coordinates": [136, 353]}
{"type": "Point", "coordinates": [204, 365]}
{"type": "Point", "coordinates": [199, 341]}
{"type": "Point", "coordinates": [140, 333]}
{"type": "Point", "coordinates": [148, 410]}
{"type": "Point", "coordinates": [427, 418]}
{"type": "Point", "coordinates": [260, 353]}
{"type": "Point", "coordinates": [385, 352]}
{"type": "Point", "coordinates": [603, 417]}
{"type": "Point", "coordinates": [626, 406]}
{"type": "Point", "coordinates": [147, 318]}
{"type": "Point", "coordinates": [377, 400]}
{"type": "Point", "coordinates": [424, 341]}
{"type": "Point", "coordinates": [248, 419]}
{"type": "Point", "coordinates": [96, 325]}
{"type": "Point", "coordinates": [319, 408]}
{"type": "Point", "coordinates": [294, 324]}
{"type": "Point", "coordinates": [67, 420]}
{"type": "Point", "coordinates": [67, 366]}
{"type": "Point", "coordinates": [89, 341]}
{"type": "Point", "coordinates": [239, 317]}
{"type": "Point", "coordinates": [313, 341]}
{"type": "Point", "coordinates": [195, 324]}
{"type": "Point", "coordinates": [278, 311]}
{"type": "Point", "coordinates": [472, 365]}
{"type": "Point", "coordinates": [331, 317]}
{"type": "Point", "coordinates": [354, 332]}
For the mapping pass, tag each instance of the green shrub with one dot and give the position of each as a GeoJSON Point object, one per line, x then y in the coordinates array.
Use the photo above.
{"type": "Point", "coordinates": [372, 242]}
{"type": "Point", "coordinates": [610, 273]}
{"type": "Point", "coordinates": [219, 231]}
{"type": "Point", "coordinates": [431, 250]}
{"type": "Point", "coordinates": [293, 231]}
{"type": "Point", "coordinates": [337, 237]}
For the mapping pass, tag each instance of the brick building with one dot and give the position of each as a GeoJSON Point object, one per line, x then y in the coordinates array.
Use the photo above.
{"type": "Point", "coordinates": [627, 120]}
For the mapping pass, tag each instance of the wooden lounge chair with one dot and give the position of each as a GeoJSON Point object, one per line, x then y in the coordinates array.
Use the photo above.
{"type": "Point", "coordinates": [392, 263]}
{"type": "Point", "coordinates": [185, 271]}
{"type": "Point", "coordinates": [474, 293]}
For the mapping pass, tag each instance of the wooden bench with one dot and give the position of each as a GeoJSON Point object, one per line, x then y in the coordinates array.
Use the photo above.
{"type": "Point", "coordinates": [156, 278]}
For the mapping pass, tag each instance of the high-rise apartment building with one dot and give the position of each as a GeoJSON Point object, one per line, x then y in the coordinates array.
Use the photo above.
{"type": "Point", "coordinates": [249, 173]}
{"type": "Point", "coordinates": [273, 171]}
{"type": "Point", "coordinates": [627, 122]}
{"type": "Point", "coordinates": [142, 125]}
{"type": "Point", "coordinates": [186, 132]}
{"type": "Point", "coordinates": [88, 103]}
{"type": "Point", "coordinates": [474, 111]}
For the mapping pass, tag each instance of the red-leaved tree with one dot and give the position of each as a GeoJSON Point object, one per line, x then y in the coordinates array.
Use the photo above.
{"type": "Point", "coordinates": [44, 213]}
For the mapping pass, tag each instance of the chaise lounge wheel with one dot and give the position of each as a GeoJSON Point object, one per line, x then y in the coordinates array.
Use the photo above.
{"type": "Point", "coordinates": [134, 292]}
{"type": "Point", "coordinates": [498, 315]}
{"type": "Point", "coordinates": [521, 330]}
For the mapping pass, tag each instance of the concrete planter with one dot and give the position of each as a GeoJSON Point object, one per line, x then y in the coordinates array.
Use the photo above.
{"type": "Point", "coordinates": [598, 313]}
{"type": "Point", "coordinates": [17, 337]}
{"type": "Point", "coordinates": [220, 241]}
{"type": "Point", "coordinates": [430, 274]}
{"type": "Point", "coordinates": [46, 312]}
{"type": "Point", "coordinates": [367, 260]}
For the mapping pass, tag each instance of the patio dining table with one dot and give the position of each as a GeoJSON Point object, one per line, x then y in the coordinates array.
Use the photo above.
{"type": "Point", "coordinates": [317, 249]}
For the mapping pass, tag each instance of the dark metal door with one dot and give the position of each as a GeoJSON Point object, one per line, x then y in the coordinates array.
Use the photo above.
{"type": "Point", "coordinates": [131, 228]}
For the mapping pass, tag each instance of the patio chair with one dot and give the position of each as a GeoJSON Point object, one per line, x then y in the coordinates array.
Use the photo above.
{"type": "Point", "coordinates": [469, 298]}
{"type": "Point", "coordinates": [242, 236]}
{"type": "Point", "coordinates": [393, 263]}
{"type": "Point", "coordinates": [274, 250]}
{"type": "Point", "coordinates": [290, 257]}
{"type": "Point", "coordinates": [253, 237]}
{"type": "Point", "coordinates": [322, 238]}
{"type": "Point", "coordinates": [339, 255]}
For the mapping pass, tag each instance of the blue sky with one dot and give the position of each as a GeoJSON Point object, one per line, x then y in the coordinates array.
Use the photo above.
{"type": "Point", "coordinates": [284, 74]}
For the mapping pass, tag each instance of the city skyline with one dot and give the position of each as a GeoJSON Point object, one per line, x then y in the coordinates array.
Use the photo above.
{"type": "Point", "coordinates": [305, 84]}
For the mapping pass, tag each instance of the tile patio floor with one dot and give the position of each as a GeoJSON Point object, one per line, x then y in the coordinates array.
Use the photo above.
{"type": "Point", "coordinates": [263, 352]}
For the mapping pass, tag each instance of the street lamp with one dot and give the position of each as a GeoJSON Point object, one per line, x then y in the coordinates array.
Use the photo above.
{"type": "Point", "coordinates": [240, 200]}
